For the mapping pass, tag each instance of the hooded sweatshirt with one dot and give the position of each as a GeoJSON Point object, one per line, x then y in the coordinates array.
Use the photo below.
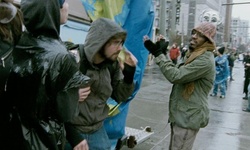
{"type": "Point", "coordinates": [44, 81]}
{"type": "Point", "coordinates": [105, 82]}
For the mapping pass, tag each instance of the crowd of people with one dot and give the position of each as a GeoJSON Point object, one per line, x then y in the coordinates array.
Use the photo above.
{"type": "Point", "coordinates": [58, 100]}
{"type": "Point", "coordinates": [224, 60]}
{"type": "Point", "coordinates": [57, 103]}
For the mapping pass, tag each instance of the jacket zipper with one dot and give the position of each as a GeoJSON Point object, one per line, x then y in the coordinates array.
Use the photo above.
{"type": "Point", "coordinates": [6, 55]}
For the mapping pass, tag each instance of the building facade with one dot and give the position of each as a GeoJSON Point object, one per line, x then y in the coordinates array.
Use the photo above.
{"type": "Point", "coordinates": [239, 32]}
{"type": "Point", "coordinates": [179, 17]}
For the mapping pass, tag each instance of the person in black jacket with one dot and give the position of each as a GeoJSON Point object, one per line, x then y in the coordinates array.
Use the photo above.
{"type": "Point", "coordinates": [44, 82]}
{"type": "Point", "coordinates": [10, 30]}
{"type": "Point", "coordinates": [231, 58]}
{"type": "Point", "coordinates": [247, 74]}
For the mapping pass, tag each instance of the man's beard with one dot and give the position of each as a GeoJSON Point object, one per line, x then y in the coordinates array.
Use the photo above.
{"type": "Point", "coordinates": [101, 52]}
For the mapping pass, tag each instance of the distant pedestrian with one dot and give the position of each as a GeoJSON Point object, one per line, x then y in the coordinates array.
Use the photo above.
{"type": "Point", "coordinates": [222, 73]}
{"type": "Point", "coordinates": [188, 106]}
{"type": "Point", "coordinates": [247, 74]}
{"type": "Point", "coordinates": [247, 109]}
{"type": "Point", "coordinates": [174, 53]}
{"type": "Point", "coordinates": [231, 58]}
{"type": "Point", "coordinates": [183, 52]}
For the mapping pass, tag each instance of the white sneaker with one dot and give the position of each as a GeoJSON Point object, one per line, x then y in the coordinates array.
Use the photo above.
{"type": "Point", "coordinates": [222, 96]}
{"type": "Point", "coordinates": [213, 94]}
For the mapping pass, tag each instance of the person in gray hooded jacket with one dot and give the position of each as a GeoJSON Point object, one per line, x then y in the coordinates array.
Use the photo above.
{"type": "Point", "coordinates": [102, 46]}
{"type": "Point", "coordinates": [44, 82]}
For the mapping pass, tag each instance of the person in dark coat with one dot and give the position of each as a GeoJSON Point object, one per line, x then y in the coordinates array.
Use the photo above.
{"type": "Point", "coordinates": [44, 81]}
{"type": "Point", "coordinates": [11, 21]}
{"type": "Point", "coordinates": [247, 74]}
{"type": "Point", "coordinates": [231, 58]}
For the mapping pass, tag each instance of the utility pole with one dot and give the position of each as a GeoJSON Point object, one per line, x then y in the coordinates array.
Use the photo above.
{"type": "Point", "coordinates": [173, 21]}
{"type": "Point", "coordinates": [163, 17]}
{"type": "Point", "coordinates": [228, 18]}
{"type": "Point", "coordinates": [182, 28]}
{"type": "Point", "coordinates": [227, 29]}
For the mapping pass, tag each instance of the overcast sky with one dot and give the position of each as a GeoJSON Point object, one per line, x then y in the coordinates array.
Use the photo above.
{"type": "Point", "coordinates": [241, 10]}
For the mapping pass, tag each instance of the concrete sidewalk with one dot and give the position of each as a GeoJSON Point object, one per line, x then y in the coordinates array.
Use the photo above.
{"type": "Point", "coordinates": [228, 128]}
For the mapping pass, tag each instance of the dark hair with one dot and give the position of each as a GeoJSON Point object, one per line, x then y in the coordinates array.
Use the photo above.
{"type": "Point", "coordinates": [61, 3]}
{"type": "Point", "coordinates": [11, 32]}
{"type": "Point", "coordinates": [121, 35]}
{"type": "Point", "coordinates": [221, 50]}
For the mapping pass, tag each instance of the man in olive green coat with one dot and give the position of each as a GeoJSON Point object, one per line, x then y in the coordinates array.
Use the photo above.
{"type": "Point", "coordinates": [193, 80]}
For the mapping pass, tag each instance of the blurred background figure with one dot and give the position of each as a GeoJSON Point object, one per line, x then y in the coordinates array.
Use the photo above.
{"type": "Point", "coordinates": [222, 72]}
{"type": "Point", "coordinates": [183, 52]}
{"type": "Point", "coordinates": [246, 62]}
{"type": "Point", "coordinates": [231, 58]}
{"type": "Point", "coordinates": [174, 53]}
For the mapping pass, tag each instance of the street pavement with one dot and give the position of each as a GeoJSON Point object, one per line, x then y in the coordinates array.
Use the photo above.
{"type": "Point", "coordinates": [228, 128]}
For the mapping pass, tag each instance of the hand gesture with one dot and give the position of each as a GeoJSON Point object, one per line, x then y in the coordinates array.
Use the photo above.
{"type": "Point", "coordinates": [84, 93]}
{"type": "Point", "coordinates": [128, 58]}
{"type": "Point", "coordinates": [151, 47]}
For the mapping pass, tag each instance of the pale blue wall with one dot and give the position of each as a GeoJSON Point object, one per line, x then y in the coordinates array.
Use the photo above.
{"type": "Point", "coordinates": [74, 31]}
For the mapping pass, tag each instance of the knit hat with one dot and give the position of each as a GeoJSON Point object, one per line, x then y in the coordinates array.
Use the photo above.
{"type": "Point", "coordinates": [207, 29]}
{"type": "Point", "coordinates": [221, 50]}
{"type": "Point", "coordinates": [61, 3]}
{"type": "Point", "coordinates": [7, 12]}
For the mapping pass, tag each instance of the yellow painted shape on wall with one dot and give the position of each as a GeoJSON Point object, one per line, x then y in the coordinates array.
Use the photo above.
{"type": "Point", "coordinates": [107, 9]}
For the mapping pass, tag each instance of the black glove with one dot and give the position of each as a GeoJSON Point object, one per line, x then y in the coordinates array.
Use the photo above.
{"type": "Point", "coordinates": [163, 45]}
{"type": "Point", "coordinates": [128, 73]}
{"type": "Point", "coordinates": [153, 48]}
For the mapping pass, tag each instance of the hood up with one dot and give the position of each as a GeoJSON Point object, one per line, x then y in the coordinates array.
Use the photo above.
{"type": "Point", "coordinates": [100, 32]}
{"type": "Point", "coordinates": [42, 17]}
